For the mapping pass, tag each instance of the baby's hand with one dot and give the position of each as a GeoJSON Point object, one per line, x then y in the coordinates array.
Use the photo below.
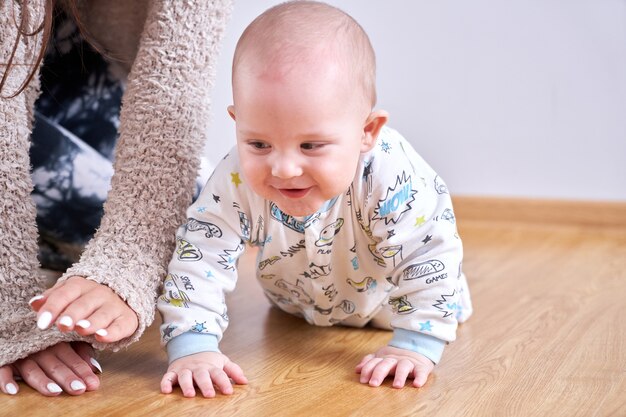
{"type": "Point", "coordinates": [394, 361]}
{"type": "Point", "coordinates": [87, 308]}
{"type": "Point", "coordinates": [205, 369]}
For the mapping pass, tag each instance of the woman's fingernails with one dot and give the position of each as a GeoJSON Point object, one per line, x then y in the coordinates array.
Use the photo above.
{"type": "Point", "coordinates": [76, 385]}
{"type": "Point", "coordinates": [35, 298]}
{"type": "Point", "coordinates": [83, 323]}
{"type": "Point", "coordinates": [66, 321]}
{"type": "Point", "coordinates": [96, 364]}
{"type": "Point", "coordinates": [102, 332]}
{"type": "Point", "coordinates": [54, 388]}
{"type": "Point", "coordinates": [43, 322]}
{"type": "Point", "coordinates": [11, 388]}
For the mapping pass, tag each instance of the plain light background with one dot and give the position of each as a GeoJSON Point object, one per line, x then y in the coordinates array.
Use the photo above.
{"type": "Point", "coordinates": [523, 98]}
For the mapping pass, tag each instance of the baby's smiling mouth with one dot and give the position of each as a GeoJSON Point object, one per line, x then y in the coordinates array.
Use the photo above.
{"type": "Point", "coordinates": [294, 192]}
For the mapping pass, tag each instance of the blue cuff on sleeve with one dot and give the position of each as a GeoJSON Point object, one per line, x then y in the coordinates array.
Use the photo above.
{"type": "Point", "coordinates": [429, 346]}
{"type": "Point", "coordinates": [189, 343]}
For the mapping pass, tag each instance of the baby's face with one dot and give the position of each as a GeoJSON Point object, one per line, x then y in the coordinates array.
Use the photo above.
{"type": "Point", "coordinates": [299, 137]}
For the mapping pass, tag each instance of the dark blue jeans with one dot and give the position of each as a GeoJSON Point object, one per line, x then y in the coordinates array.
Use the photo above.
{"type": "Point", "coordinates": [73, 138]}
{"type": "Point", "coordinates": [73, 141]}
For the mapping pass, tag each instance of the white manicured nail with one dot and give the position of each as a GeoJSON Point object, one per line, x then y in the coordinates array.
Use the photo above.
{"type": "Point", "coordinates": [96, 364]}
{"type": "Point", "coordinates": [35, 298]}
{"type": "Point", "coordinates": [43, 322]}
{"type": "Point", "coordinates": [77, 385]}
{"type": "Point", "coordinates": [11, 389]}
{"type": "Point", "coordinates": [83, 323]}
{"type": "Point", "coordinates": [54, 388]}
{"type": "Point", "coordinates": [66, 321]}
{"type": "Point", "coordinates": [102, 332]}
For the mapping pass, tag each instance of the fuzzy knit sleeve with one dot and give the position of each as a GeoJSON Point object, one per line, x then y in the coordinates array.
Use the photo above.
{"type": "Point", "coordinates": [19, 280]}
{"type": "Point", "coordinates": [164, 119]}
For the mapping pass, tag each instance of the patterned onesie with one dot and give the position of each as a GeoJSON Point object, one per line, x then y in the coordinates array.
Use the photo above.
{"type": "Point", "coordinates": [386, 251]}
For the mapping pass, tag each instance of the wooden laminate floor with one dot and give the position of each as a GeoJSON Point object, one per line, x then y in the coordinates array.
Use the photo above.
{"type": "Point", "coordinates": [547, 338]}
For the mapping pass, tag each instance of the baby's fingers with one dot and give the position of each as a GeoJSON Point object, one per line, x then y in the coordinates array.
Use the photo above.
{"type": "Point", "coordinates": [421, 375]}
{"type": "Point", "coordinates": [221, 381]}
{"type": "Point", "coordinates": [403, 369]}
{"type": "Point", "coordinates": [235, 373]}
{"type": "Point", "coordinates": [168, 381]}
{"type": "Point", "coordinates": [185, 381]}
{"type": "Point", "coordinates": [380, 372]}
{"type": "Point", "coordinates": [204, 383]}
{"type": "Point", "coordinates": [365, 359]}
{"type": "Point", "coordinates": [368, 369]}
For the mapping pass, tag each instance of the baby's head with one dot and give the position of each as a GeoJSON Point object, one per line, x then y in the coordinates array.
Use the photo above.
{"type": "Point", "coordinates": [306, 37]}
{"type": "Point", "coordinates": [303, 93]}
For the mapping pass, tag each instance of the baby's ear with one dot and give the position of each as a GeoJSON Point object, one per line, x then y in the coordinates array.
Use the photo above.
{"type": "Point", "coordinates": [231, 111]}
{"type": "Point", "coordinates": [375, 121]}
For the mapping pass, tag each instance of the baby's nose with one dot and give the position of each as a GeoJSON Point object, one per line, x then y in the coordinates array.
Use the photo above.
{"type": "Point", "coordinates": [285, 167]}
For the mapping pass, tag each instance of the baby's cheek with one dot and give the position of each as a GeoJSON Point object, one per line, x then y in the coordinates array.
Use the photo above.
{"type": "Point", "coordinates": [251, 176]}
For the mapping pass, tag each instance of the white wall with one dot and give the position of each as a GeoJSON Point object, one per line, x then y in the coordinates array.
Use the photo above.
{"type": "Point", "coordinates": [523, 98]}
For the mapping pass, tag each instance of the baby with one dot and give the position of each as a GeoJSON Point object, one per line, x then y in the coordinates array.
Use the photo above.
{"type": "Point", "coordinates": [353, 227]}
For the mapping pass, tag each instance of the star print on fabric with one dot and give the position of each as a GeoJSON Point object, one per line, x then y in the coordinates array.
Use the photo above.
{"type": "Point", "coordinates": [420, 221]}
{"type": "Point", "coordinates": [385, 146]}
{"type": "Point", "coordinates": [426, 326]}
{"type": "Point", "coordinates": [234, 178]}
{"type": "Point", "coordinates": [167, 332]}
{"type": "Point", "coordinates": [267, 239]}
{"type": "Point", "coordinates": [198, 327]}
{"type": "Point", "coordinates": [427, 239]}
{"type": "Point", "coordinates": [355, 263]}
{"type": "Point", "coordinates": [216, 198]}
{"type": "Point", "coordinates": [208, 274]}
{"type": "Point", "coordinates": [201, 209]}
{"type": "Point", "coordinates": [391, 233]}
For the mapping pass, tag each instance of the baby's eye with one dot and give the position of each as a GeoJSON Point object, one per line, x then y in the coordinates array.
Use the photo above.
{"type": "Point", "coordinates": [311, 146]}
{"type": "Point", "coordinates": [257, 144]}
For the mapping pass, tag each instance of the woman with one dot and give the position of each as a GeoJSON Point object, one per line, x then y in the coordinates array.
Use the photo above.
{"type": "Point", "coordinates": [164, 53]}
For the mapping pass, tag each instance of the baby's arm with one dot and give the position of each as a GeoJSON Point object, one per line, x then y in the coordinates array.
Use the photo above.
{"type": "Point", "coordinates": [418, 225]}
{"type": "Point", "coordinates": [401, 363]}
{"type": "Point", "coordinates": [87, 308]}
{"type": "Point", "coordinates": [206, 370]}
{"type": "Point", "coordinates": [202, 271]}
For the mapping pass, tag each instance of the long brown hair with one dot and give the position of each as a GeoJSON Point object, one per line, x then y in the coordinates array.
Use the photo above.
{"type": "Point", "coordinates": [46, 29]}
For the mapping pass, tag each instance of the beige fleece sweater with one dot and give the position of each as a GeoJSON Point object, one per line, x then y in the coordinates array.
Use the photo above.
{"type": "Point", "coordinates": [168, 49]}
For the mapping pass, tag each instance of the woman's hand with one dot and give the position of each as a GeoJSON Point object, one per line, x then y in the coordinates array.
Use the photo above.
{"type": "Point", "coordinates": [86, 307]}
{"type": "Point", "coordinates": [63, 367]}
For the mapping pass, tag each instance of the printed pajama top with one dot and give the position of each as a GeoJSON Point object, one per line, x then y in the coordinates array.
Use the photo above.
{"type": "Point", "coordinates": [387, 249]}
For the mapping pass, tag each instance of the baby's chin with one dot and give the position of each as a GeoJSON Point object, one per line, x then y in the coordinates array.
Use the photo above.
{"type": "Point", "coordinates": [298, 212]}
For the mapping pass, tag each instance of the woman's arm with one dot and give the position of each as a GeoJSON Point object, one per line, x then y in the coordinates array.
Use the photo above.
{"type": "Point", "coordinates": [19, 278]}
{"type": "Point", "coordinates": [164, 120]}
